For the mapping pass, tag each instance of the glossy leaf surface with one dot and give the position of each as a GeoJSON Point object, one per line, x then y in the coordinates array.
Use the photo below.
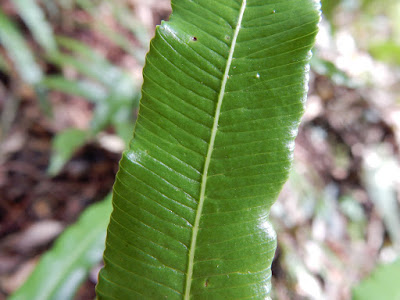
{"type": "Point", "coordinates": [224, 90]}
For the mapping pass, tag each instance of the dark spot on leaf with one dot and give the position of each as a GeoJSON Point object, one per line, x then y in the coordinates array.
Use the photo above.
{"type": "Point", "coordinates": [206, 283]}
{"type": "Point", "coordinates": [194, 39]}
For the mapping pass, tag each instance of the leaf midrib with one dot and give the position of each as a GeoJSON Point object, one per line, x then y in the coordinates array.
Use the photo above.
{"type": "Point", "coordinates": [209, 154]}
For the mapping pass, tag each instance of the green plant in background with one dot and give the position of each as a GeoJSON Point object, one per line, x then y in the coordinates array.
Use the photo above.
{"type": "Point", "coordinates": [114, 95]}
{"type": "Point", "coordinates": [384, 41]}
{"type": "Point", "coordinates": [63, 269]}
{"type": "Point", "coordinates": [34, 17]}
{"type": "Point", "coordinates": [383, 283]}
{"type": "Point", "coordinates": [225, 85]}
{"type": "Point", "coordinates": [112, 90]}
{"type": "Point", "coordinates": [108, 87]}
{"type": "Point", "coordinates": [12, 40]}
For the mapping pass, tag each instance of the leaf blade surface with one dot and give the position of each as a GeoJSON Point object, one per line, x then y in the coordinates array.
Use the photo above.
{"type": "Point", "coordinates": [224, 90]}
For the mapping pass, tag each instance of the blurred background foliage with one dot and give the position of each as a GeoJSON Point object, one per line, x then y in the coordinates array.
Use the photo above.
{"type": "Point", "coordinates": [70, 77]}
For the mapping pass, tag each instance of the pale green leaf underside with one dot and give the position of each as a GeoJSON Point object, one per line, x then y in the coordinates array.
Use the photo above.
{"type": "Point", "coordinates": [224, 89]}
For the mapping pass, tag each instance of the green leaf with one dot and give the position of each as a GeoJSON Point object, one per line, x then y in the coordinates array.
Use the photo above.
{"type": "Point", "coordinates": [123, 42]}
{"type": "Point", "coordinates": [329, 69]}
{"type": "Point", "coordinates": [4, 67]}
{"type": "Point", "coordinates": [380, 170]}
{"type": "Point", "coordinates": [383, 283]}
{"type": "Point", "coordinates": [387, 51]}
{"type": "Point", "coordinates": [35, 19]}
{"type": "Point", "coordinates": [224, 90]}
{"type": "Point", "coordinates": [328, 9]}
{"type": "Point", "coordinates": [118, 107]}
{"type": "Point", "coordinates": [62, 270]}
{"type": "Point", "coordinates": [19, 52]}
{"type": "Point", "coordinates": [84, 88]}
{"type": "Point", "coordinates": [120, 89]}
{"type": "Point", "coordinates": [121, 12]}
{"type": "Point", "coordinates": [87, 61]}
{"type": "Point", "coordinates": [64, 145]}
